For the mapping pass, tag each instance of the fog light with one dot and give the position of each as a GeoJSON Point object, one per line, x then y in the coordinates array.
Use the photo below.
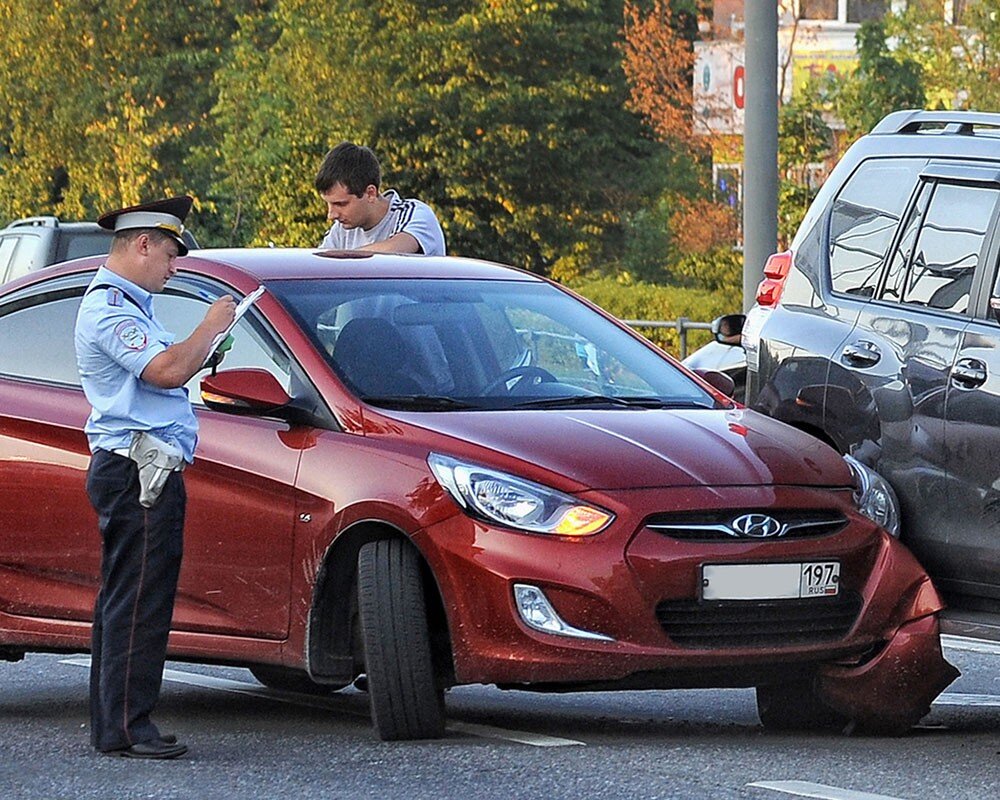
{"type": "Point", "coordinates": [537, 612]}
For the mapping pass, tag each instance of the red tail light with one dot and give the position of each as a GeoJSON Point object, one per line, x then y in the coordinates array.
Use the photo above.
{"type": "Point", "coordinates": [775, 271]}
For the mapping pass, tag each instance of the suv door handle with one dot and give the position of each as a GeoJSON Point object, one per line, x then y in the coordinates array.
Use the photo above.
{"type": "Point", "coordinates": [861, 353]}
{"type": "Point", "coordinates": [968, 373]}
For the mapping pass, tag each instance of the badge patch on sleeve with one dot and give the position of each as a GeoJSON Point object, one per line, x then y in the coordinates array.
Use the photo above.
{"type": "Point", "coordinates": [131, 334]}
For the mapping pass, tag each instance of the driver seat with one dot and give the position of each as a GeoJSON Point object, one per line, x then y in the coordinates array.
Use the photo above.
{"type": "Point", "coordinates": [374, 358]}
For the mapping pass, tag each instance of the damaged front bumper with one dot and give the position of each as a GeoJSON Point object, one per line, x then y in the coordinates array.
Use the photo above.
{"type": "Point", "coordinates": [894, 689]}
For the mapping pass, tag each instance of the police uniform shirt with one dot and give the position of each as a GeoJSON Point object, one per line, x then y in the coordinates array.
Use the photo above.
{"type": "Point", "coordinates": [116, 337]}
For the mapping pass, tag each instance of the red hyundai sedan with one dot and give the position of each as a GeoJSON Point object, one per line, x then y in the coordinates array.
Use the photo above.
{"type": "Point", "coordinates": [440, 471]}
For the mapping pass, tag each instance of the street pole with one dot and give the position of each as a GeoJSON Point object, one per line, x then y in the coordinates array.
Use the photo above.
{"type": "Point", "coordinates": [760, 143]}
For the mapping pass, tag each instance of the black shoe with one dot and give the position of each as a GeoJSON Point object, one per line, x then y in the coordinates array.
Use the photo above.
{"type": "Point", "coordinates": [169, 738]}
{"type": "Point", "coordinates": [154, 748]}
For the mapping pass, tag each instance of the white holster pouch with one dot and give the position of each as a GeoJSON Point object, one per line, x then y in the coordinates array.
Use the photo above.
{"type": "Point", "coordinates": [156, 459]}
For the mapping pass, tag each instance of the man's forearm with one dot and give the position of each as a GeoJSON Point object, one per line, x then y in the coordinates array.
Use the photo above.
{"type": "Point", "coordinates": [176, 365]}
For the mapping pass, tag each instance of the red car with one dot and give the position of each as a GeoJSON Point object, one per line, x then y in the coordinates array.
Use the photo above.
{"type": "Point", "coordinates": [441, 471]}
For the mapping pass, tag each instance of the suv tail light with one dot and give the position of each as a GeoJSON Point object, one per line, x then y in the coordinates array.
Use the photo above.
{"type": "Point", "coordinates": [775, 271]}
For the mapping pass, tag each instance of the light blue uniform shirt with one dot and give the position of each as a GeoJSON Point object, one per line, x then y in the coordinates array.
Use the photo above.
{"type": "Point", "coordinates": [116, 337]}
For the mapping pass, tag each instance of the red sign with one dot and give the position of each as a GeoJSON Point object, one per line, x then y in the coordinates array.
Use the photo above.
{"type": "Point", "coordinates": [739, 86]}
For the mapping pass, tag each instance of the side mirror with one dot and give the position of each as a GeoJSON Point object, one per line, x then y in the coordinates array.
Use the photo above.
{"type": "Point", "coordinates": [717, 380]}
{"type": "Point", "coordinates": [243, 391]}
{"type": "Point", "coordinates": [727, 328]}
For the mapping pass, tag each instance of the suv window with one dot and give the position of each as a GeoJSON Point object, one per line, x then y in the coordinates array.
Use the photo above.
{"type": "Point", "coordinates": [863, 219]}
{"type": "Point", "coordinates": [8, 245]}
{"type": "Point", "coordinates": [948, 246]}
{"type": "Point", "coordinates": [80, 244]}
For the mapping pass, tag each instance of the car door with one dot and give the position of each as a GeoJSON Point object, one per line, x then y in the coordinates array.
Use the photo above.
{"type": "Point", "coordinates": [904, 350]}
{"type": "Point", "coordinates": [967, 557]}
{"type": "Point", "coordinates": [235, 574]}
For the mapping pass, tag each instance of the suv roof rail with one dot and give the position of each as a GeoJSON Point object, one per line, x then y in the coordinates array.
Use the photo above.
{"type": "Point", "coordinates": [956, 122]}
{"type": "Point", "coordinates": [37, 222]}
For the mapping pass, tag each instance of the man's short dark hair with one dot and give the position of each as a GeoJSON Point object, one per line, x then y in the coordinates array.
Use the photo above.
{"type": "Point", "coordinates": [121, 238]}
{"type": "Point", "coordinates": [354, 166]}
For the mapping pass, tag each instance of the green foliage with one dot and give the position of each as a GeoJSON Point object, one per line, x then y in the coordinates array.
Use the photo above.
{"type": "Point", "coordinates": [959, 64]}
{"type": "Point", "coordinates": [645, 301]}
{"type": "Point", "coordinates": [104, 100]}
{"type": "Point", "coordinates": [884, 81]}
{"type": "Point", "coordinates": [507, 117]}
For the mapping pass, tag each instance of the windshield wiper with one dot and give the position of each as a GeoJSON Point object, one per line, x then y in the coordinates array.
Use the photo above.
{"type": "Point", "coordinates": [599, 400]}
{"type": "Point", "coordinates": [419, 402]}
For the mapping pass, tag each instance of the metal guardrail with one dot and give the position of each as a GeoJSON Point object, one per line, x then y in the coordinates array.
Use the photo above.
{"type": "Point", "coordinates": [681, 325]}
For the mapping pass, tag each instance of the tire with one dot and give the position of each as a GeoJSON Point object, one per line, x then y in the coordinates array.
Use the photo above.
{"type": "Point", "coordinates": [793, 706]}
{"type": "Point", "coordinates": [407, 700]}
{"type": "Point", "coordinates": [292, 680]}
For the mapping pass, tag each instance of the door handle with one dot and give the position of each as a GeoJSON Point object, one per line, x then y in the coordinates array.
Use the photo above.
{"type": "Point", "coordinates": [861, 353]}
{"type": "Point", "coordinates": [968, 373]}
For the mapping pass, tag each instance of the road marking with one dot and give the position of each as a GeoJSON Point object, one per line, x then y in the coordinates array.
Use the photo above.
{"type": "Point", "coordinates": [970, 645]}
{"type": "Point", "coordinates": [337, 704]}
{"type": "Point", "coordinates": [818, 790]}
{"type": "Point", "coordinates": [534, 739]}
{"type": "Point", "coordinates": [978, 700]}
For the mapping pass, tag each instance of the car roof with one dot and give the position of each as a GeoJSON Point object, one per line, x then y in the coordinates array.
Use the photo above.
{"type": "Point", "coordinates": [275, 263]}
{"type": "Point", "coordinates": [235, 265]}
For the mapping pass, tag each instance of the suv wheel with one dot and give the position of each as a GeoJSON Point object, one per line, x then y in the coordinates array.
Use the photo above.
{"type": "Point", "coordinates": [407, 701]}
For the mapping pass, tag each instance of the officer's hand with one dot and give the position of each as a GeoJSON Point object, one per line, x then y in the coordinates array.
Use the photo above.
{"type": "Point", "coordinates": [221, 313]}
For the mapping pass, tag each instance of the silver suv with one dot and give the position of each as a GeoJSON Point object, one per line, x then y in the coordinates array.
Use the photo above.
{"type": "Point", "coordinates": [879, 331]}
{"type": "Point", "coordinates": [35, 242]}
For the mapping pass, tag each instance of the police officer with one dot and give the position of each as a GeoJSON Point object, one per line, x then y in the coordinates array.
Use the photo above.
{"type": "Point", "coordinates": [142, 424]}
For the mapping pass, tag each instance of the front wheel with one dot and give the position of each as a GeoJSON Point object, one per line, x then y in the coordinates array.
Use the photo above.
{"type": "Point", "coordinates": [407, 700]}
{"type": "Point", "coordinates": [793, 706]}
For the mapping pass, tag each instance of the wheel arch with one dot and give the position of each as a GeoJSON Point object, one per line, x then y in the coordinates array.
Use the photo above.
{"type": "Point", "coordinates": [334, 653]}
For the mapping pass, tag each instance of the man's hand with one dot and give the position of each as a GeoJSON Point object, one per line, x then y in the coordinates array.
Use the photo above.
{"type": "Point", "coordinates": [220, 314]}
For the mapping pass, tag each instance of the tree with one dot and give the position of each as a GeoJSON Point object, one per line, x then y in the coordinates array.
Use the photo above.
{"type": "Point", "coordinates": [959, 63]}
{"type": "Point", "coordinates": [884, 81]}
{"type": "Point", "coordinates": [507, 117]}
{"type": "Point", "coordinates": [109, 118]}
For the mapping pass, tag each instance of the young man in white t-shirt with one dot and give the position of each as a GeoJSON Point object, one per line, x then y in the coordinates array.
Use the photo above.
{"type": "Point", "coordinates": [366, 219]}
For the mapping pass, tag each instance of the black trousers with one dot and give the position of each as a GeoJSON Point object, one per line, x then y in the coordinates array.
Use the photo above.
{"type": "Point", "coordinates": [141, 558]}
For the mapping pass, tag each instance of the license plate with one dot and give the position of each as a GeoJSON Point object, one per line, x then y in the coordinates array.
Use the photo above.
{"type": "Point", "coordinates": [770, 581]}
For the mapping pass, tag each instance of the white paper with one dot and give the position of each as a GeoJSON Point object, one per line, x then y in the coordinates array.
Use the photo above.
{"type": "Point", "coordinates": [241, 309]}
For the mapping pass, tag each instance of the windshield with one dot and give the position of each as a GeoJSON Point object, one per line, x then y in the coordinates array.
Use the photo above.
{"type": "Point", "coordinates": [450, 344]}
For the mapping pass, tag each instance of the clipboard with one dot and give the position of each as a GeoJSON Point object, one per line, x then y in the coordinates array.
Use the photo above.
{"type": "Point", "coordinates": [241, 309]}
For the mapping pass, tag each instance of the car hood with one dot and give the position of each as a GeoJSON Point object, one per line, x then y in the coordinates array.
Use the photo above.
{"type": "Point", "coordinates": [637, 448]}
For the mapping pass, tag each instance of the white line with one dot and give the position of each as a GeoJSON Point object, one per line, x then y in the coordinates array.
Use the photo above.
{"type": "Point", "coordinates": [337, 704]}
{"type": "Point", "coordinates": [818, 790]}
{"type": "Point", "coordinates": [534, 739]}
{"type": "Point", "coordinates": [978, 700]}
{"type": "Point", "coordinates": [970, 645]}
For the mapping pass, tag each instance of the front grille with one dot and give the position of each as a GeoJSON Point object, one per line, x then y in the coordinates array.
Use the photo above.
{"type": "Point", "coordinates": [758, 623]}
{"type": "Point", "coordinates": [715, 526]}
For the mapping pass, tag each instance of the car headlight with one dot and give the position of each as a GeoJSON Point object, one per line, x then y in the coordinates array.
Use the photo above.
{"type": "Point", "coordinates": [515, 502]}
{"type": "Point", "coordinates": [874, 496]}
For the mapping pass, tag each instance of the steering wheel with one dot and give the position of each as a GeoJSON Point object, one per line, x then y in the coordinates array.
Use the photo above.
{"type": "Point", "coordinates": [534, 375]}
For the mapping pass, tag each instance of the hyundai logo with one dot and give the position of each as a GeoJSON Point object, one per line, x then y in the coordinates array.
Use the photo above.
{"type": "Point", "coordinates": [756, 526]}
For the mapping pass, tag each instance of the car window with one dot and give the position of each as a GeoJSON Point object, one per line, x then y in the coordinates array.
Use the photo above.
{"type": "Point", "coordinates": [8, 245]}
{"type": "Point", "coordinates": [252, 344]}
{"type": "Point", "coordinates": [896, 273]}
{"type": "Point", "coordinates": [487, 344]}
{"type": "Point", "coordinates": [80, 244]}
{"type": "Point", "coordinates": [36, 341]}
{"type": "Point", "coordinates": [947, 249]}
{"type": "Point", "coordinates": [863, 221]}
